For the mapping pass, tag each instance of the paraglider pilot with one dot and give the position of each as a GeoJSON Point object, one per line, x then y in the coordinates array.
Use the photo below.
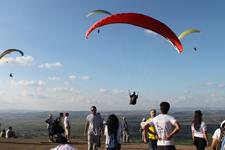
{"type": "Point", "coordinates": [133, 98]}
{"type": "Point", "coordinates": [11, 75]}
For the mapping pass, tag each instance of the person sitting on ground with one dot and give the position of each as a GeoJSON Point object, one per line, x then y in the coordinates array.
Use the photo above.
{"type": "Point", "coordinates": [10, 133]}
{"type": "Point", "coordinates": [113, 132]}
{"type": "Point", "coordinates": [218, 142]}
{"type": "Point", "coordinates": [133, 98]}
{"type": "Point", "coordinates": [2, 134]}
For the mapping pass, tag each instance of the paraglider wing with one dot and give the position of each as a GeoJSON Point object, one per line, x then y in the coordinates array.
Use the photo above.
{"type": "Point", "coordinates": [187, 32]}
{"type": "Point", "coordinates": [143, 21]}
{"type": "Point", "coordinates": [10, 51]}
{"type": "Point", "coordinates": [99, 11]}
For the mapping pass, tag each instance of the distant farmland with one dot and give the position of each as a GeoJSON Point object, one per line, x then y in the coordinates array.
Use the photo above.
{"type": "Point", "coordinates": [32, 125]}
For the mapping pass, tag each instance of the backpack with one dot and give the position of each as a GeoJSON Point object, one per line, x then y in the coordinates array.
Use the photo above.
{"type": "Point", "coordinates": [56, 128]}
{"type": "Point", "coordinates": [221, 145]}
{"type": "Point", "coordinates": [113, 143]}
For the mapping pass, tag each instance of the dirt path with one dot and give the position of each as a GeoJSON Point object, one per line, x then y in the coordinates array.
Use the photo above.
{"type": "Point", "coordinates": [42, 144]}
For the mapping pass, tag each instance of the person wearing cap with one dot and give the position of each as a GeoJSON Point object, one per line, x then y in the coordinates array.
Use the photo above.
{"type": "Point", "coordinates": [93, 128]}
{"type": "Point", "coordinates": [125, 130]}
{"type": "Point", "coordinates": [152, 135]}
{"type": "Point", "coordinates": [217, 135]}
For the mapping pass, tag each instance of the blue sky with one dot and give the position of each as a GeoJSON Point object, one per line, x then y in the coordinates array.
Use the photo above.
{"type": "Point", "coordinates": [61, 70]}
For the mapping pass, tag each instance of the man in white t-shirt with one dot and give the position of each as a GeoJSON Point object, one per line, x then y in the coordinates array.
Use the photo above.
{"type": "Point", "coordinates": [166, 127]}
{"type": "Point", "coordinates": [93, 128]}
{"type": "Point", "coordinates": [67, 126]}
{"type": "Point", "coordinates": [217, 136]}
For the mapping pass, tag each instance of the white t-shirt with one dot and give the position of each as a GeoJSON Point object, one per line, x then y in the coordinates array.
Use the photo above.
{"type": "Point", "coordinates": [199, 133]}
{"type": "Point", "coordinates": [119, 134]}
{"type": "Point", "coordinates": [63, 147]}
{"type": "Point", "coordinates": [216, 134]}
{"type": "Point", "coordinates": [95, 124]}
{"type": "Point", "coordinates": [66, 122]}
{"type": "Point", "coordinates": [164, 126]}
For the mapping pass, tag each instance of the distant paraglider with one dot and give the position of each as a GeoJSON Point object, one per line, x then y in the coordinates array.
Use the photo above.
{"type": "Point", "coordinates": [98, 11]}
{"type": "Point", "coordinates": [143, 21]}
{"type": "Point", "coordinates": [133, 98]}
{"type": "Point", "coordinates": [187, 32]}
{"type": "Point", "coordinates": [195, 49]}
{"type": "Point", "coordinates": [8, 51]}
{"type": "Point", "coordinates": [11, 75]}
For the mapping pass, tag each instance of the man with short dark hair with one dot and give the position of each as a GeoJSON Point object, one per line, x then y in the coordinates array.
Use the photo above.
{"type": "Point", "coordinates": [93, 128]}
{"type": "Point", "coordinates": [166, 127]}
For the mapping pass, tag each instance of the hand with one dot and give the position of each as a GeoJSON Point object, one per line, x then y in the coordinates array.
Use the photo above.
{"type": "Point", "coordinates": [145, 140]}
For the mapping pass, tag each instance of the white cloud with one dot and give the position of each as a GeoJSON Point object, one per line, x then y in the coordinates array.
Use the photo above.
{"type": "Point", "coordinates": [102, 90]}
{"type": "Point", "coordinates": [116, 91]}
{"type": "Point", "coordinates": [84, 77]}
{"type": "Point", "coordinates": [24, 60]}
{"type": "Point", "coordinates": [72, 77]}
{"type": "Point", "coordinates": [66, 90]}
{"type": "Point", "coordinates": [210, 83]}
{"type": "Point", "coordinates": [54, 78]}
{"type": "Point", "coordinates": [50, 65]}
{"type": "Point", "coordinates": [28, 83]}
{"type": "Point", "coordinates": [218, 85]}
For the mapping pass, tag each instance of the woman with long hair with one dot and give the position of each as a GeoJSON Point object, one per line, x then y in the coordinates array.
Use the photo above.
{"type": "Point", "coordinates": [113, 133]}
{"type": "Point", "coordinates": [199, 131]}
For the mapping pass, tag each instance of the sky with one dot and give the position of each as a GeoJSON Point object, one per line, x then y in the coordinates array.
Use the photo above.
{"type": "Point", "coordinates": [61, 70]}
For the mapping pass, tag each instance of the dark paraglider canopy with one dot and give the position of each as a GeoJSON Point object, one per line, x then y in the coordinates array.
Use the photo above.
{"type": "Point", "coordinates": [8, 51]}
{"type": "Point", "coordinates": [133, 98]}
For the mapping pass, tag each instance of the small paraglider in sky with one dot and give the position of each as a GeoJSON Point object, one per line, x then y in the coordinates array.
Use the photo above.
{"type": "Point", "coordinates": [187, 32]}
{"type": "Point", "coordinates": [99, 11]}
{"type": "Point", "coordinates": [133, 97]}
{"type": "Point", "coordinates": [8, 51]}
{"type": "Point", "coordinates": [11, 75]}
{"type": "Point", "coordinates": [195, 49]}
